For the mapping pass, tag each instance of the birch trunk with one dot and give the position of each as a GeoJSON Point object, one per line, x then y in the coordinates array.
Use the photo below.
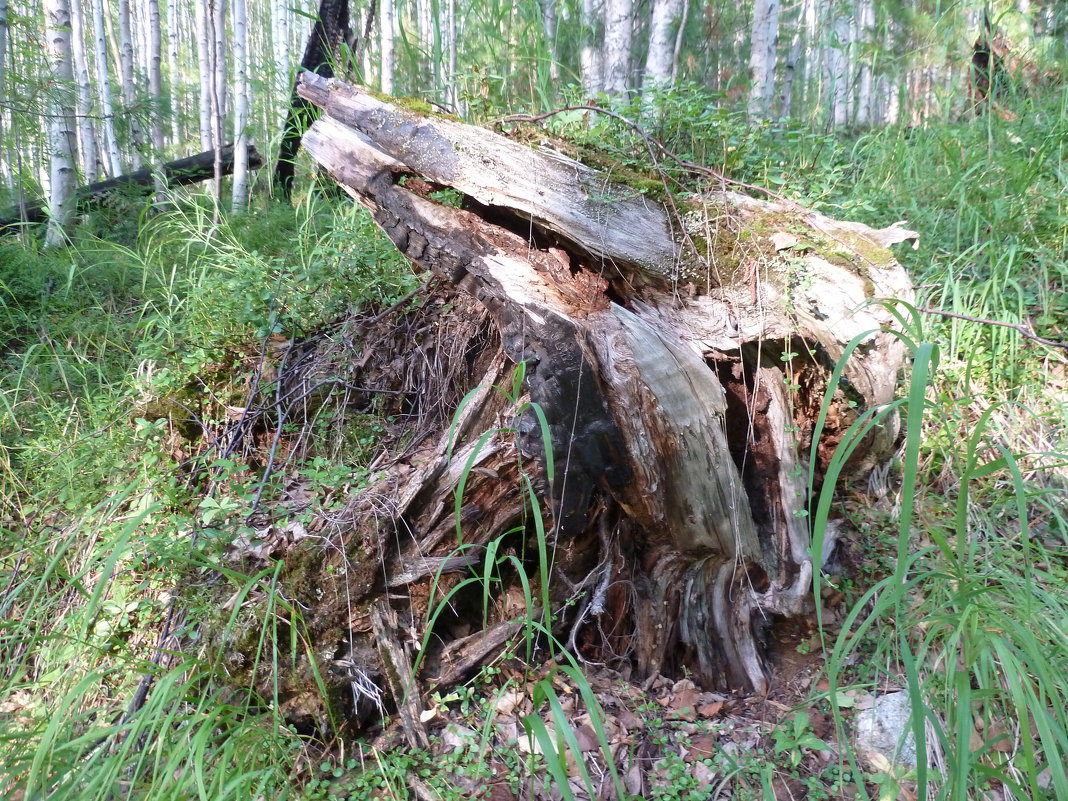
{"type": "Point", "coordinates": [280, 18]}
{"type": "Point", "coordinates": [792, 65]}
{"type": "Point", "coordinates": [155, 79]}
{"type": "Point", "coordinates": [592, 55]}
{"type": "Point", "coordinates": [61, 134]}
{"type": "Point", "coordinates": [618, 32]}
{"type": "Point", "coordinates": [88, 150]}
{"type": "Point", "coordinates": [864, 33]}
{"type": "Point", "coordinates": [129, 88]}
{"type": "Point", "coordinates": [660, 60]}
{"type": "Point", "coordinates": [837, 66]}
{"type": "Point", "coordinates": [386, 26]}
{"type": "Point", "coordinates": [218, 86]}
{"type": "Point", "coordinates": [765, 38]}
{"type": "Point", "coordinates": [5, 166]}
{"type": "Point", "coordinates": [452, 94]}
{"type": "Point", "coordinates": [203, 30]}
{"type": "Point", "coordinates": [548, 23]}
{"type": "Point", "coordinates": [239, 195]}
{"type": "Point", "coordinates": [103, 88]}
{"type": "Point", "coordinates": [176, 115]}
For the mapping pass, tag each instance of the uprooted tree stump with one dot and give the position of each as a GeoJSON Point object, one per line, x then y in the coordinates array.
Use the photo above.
{"type": "Point", "coordinates": [680, 361]}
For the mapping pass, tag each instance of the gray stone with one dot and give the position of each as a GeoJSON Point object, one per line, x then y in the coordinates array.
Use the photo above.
{"type": "Point", "coordinates": [883, 733]}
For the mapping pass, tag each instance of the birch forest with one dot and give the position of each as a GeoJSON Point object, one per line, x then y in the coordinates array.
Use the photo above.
{"type": "Point", "coordinates": [533, 400]}
{"type": "Point", "coordinates": [92, 90]}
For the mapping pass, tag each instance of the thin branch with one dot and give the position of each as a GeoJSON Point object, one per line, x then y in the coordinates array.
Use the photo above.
{"type": "Point", "coordinates": [1023, 329]}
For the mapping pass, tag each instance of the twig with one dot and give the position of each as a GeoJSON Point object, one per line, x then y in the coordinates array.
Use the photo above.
{"type": "Point", "coordinates": [1020, 327]}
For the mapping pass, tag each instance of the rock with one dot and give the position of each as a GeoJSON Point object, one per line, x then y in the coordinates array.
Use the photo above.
{"type": "Point", "coordinates": [883, 734]}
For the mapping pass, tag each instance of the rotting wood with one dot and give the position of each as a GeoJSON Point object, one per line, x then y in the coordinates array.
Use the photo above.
{"type": "Point", "coordinates": [188, 170]}
{"type": "Point", "coordinates": [397, 667]}
{"type": "Point", "coordinates": [680, 373]}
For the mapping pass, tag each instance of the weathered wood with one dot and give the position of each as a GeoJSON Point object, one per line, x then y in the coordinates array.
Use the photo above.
{"type": "Point", "coordinates": [680, 362]}
{"type": "Point", "coordinates": [188, 170]}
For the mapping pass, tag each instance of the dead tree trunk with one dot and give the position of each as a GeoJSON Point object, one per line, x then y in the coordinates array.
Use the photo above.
{"type": "Point", "coordinates": [188, 170]}
{"type": "Point", "coordinates": [323, 49]}
{"type": "Point", "coordinates": [680, 362]}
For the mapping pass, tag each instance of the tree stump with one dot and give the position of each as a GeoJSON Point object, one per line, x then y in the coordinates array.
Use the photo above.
{"type": "Point", "coordinates": [680, 361]}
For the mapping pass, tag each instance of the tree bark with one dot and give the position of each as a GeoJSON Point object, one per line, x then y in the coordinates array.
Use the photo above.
{"type": "Point", "coordinates": [764, 41]}
{"type": "Point", "coordinates": [239, 194]}
{"type": "Point", "coordinates": [155, 80]}
{"type": "Point", "coordinates": [88, 150]}
{"type": "Point", "coordinates": [103, 87]}
{"type": "Point", "coordinates": [129, 88]}
{"type": "Point", "coordinates": [592, 52]}
{"type": "Point", "coordinates": [659, 61]}
{"type": "Point", "coordinates": [680, 361]}
{"type": "Point", "coordinates": [61, 135]}
{"type": "Point", "coordinates": [618, 32]}
{"type": "Point", "coordinates": [188, 170]}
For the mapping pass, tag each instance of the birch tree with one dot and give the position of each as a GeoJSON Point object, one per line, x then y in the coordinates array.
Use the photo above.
{"type": "Point", "coordinates": [103, 88]}
{"type": "Point", "coordinates": [218, 85]}
{"type": "Point", "coordinates": [386, 40]}
{"type": "Point", "coordinates": [239, 197]}
{"type": "Point", "coordinates": [155, 79]}
{"type": "Point", "coordinates": [87, 143]}
{"type": "Point", "coordinates": [765, 38]}
{"type": "Point", "coordinates": [548, 22]}
{"type": "Point", "coordinates": [61, 136]}
{"type": "Point", "coordinates": [618, 32]}
{"type": "Point", "coordinates": [591, 57]}
{"type": "Point", "coordinates": [660, 60]}
{"type": "Point", "coordinates": [203, 31]}
{"type": "Point", "coordinates": [5, 167]}
{"type": "Point", "coordinates": [129, 90]}
{"type": "Point", "coordinates": [280, 49]}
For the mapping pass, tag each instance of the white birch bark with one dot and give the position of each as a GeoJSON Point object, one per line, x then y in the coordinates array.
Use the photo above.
{"type": "Point", "coordinates": [548, 22]}
{"type": "Point", "coordinates": [129, 89]}
{"type": "Point", "coordinates": [87, 144]}
{"type": "Point", "coordinates": [660, 59]}
{"type": "Point", "coordinates": [5, 166]}
{"type": "Point", "coordinates": [203, 29]}
{"type": "Point", "coordinates": [103, 88]}
{"type": "Point", "coordinates": [280, 51]}
{"type": "Point", "coordinates": [176, 114]}
{"type": "Point", "coordinates": [765, 37]}
{"type": "Point", "coordinates": [451, 94]}
{"type": "Point", "coordinates": [61, 135]}
{"type": "Point", "coordinates": [425, 32]}
{"type": "Point", "coordinates": [155, 79]}
{"type": "Point", "coordinates": [239, 195]}
{"type": "Point", "coordinates": [218, 86]}
{"type": "Point", "coordinates": [863, 34]}
{"type": "Point", "coordinates": [618, 31]}
{"type": "Point", "coordinates": [836, 71]}
{"type": "Point", "coordinates": [386, 16]}
{"type": "Point", "coordinates": [592, 55]}
{"type": "Point", "coordinates": [680, 35]}
{"type": "Point", "coordinates": [792, 65]}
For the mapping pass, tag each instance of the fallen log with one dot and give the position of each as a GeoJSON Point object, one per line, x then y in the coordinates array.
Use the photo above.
{"type": "Point", "coordinates": [680, 361]}
{"type": "Point", "coordinates": [188, 170]}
